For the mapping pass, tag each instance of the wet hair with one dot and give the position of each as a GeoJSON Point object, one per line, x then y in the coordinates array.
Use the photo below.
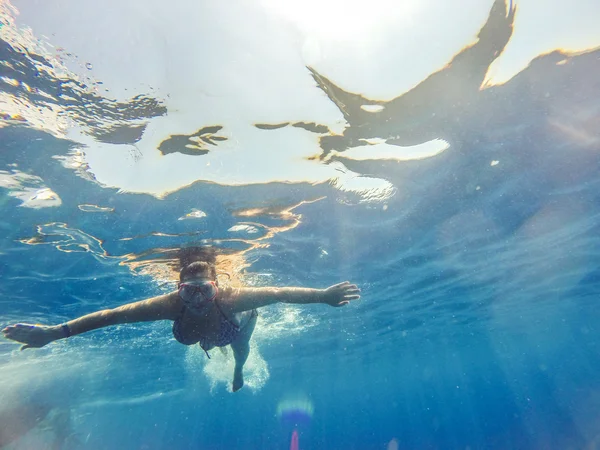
{"type": "Point", "coordinates": [198, 268]}
{"type": "Point", "coordinates": [197, 260]}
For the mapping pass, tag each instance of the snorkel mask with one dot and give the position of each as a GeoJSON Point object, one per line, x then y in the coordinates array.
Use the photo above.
{"type": "Point", "coordinates": [198, 295]}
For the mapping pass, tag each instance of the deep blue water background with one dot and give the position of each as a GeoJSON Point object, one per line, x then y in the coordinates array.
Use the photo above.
{"type": "Point", "coordinates": [466, 336]}
{"type": "Point", "coordinates": [477, 327]}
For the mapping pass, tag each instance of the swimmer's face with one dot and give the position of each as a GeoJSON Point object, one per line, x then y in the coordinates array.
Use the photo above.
{"type": "Point", "coordinates": [198, 292]}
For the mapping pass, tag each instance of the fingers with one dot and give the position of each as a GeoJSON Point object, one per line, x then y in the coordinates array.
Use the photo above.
{"type": "Point", "coordinates": [17, 326]}
{"type": "Point", "coordinates": [346, 286]}
{"type": "Point", "coordinates": [18, 332]}
{"type": "Point", "coordinates": [351, 287]}
{"type": "Point", "coordinates": [8, 330]}
{"type": "Point", "coordinates": [13, 334]}
{"type": "Point", "coordinates": [343, 303]}
{"type": "Point", "coordinates": [347, 299]}
{"type": "Point", "coordinates": [346, 293]}
{"type": "Point", "coordinates": [351, 292]}
{"type": "Point", "coordinates": [11, 329]}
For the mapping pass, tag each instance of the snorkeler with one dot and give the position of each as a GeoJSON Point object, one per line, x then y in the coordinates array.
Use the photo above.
{"type": "Point", "coordinates": [201, 312]}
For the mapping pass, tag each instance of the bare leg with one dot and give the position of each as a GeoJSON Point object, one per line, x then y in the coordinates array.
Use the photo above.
{"type": "Point", "coordinates": [241, 350]}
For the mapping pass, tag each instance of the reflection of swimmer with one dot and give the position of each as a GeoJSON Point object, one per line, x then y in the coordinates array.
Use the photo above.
{"type": "Point", "coordinates": [202, 313]}
{"type": "Point", "coordinates": [431, 109]}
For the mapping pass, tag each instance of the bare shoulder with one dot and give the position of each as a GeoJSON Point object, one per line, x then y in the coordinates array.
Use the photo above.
{"type": "Point", "coordinates": [235, 300]}
{"type": "Point", "coordinates": [228, 297]}
{"type": "Point", "coordinates": [228, 294]}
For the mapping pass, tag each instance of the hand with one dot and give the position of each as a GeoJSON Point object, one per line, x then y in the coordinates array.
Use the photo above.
{"type": "Point", "coordinates": [341, 294]}
{"type": "Point", "coordinates": [33, 336]}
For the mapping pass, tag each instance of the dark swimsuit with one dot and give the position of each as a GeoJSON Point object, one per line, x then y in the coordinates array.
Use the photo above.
{"type": "Point", "coordinates": [228, 331]}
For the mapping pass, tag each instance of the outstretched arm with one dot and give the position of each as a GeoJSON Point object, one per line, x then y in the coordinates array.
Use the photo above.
{"type": "Point", "coordinates": [246, 299]}
{"type": "Point", "coordinates": [163, 307]}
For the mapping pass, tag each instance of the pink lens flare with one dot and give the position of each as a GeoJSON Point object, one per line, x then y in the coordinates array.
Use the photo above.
{"type": "Point", "coordinates": [294, 443]}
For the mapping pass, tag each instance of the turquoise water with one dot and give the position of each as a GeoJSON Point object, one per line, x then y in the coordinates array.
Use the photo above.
{"type": "Point", "coordinates": [469, 216]}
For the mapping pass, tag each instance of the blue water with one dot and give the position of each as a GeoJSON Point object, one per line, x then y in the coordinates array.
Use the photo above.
{"type": "Point", "coordinates": [480, 276]}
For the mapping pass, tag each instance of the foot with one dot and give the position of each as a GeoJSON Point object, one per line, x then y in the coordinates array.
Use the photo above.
{"type": "Point", "coordinates": [32, 336]}
{"type": "Point", "coordinates": [238, 380]}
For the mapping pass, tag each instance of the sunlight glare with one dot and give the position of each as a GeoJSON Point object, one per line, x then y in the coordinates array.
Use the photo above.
{"type": "Point", "coordinates": [342, 19]}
